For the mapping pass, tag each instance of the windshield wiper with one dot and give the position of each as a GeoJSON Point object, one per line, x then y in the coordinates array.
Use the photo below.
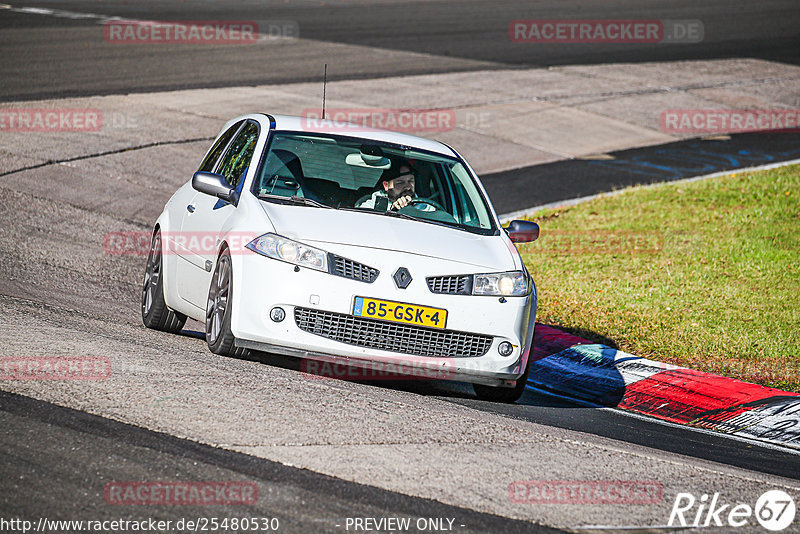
{"type": "Point", "coordinates": [303, 201]}
{"type": "Point", "coordinates": [419, 219]}
{"type": "Point", "coordinates": [391, 213]}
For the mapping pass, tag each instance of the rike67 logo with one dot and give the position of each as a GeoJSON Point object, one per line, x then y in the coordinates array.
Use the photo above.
{"type": "Point", "coordinates": [774, 510]}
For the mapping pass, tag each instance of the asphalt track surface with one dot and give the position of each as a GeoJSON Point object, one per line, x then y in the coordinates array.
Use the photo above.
{"type": "Point", "coordinates": [554, 410]}
{"type": "Point", "coordinates": [58, 458]}
{"type": "Point", "coordinates": [56, 56]}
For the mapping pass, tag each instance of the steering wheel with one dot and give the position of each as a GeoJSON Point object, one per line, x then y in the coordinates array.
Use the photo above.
{"type": "Point", "coordinates": [436, 205]}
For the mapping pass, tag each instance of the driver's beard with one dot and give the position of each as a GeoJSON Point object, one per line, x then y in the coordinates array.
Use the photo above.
{"type": "Point", "coordinates": [407, 192]}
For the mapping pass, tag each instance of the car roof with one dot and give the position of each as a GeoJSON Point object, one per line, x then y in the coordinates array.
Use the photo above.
{"type": "Point", "coordinates": [313, 125]}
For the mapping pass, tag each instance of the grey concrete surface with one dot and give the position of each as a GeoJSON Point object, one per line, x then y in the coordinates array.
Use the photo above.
{"type": "Point", "coordinates": [504, 119]}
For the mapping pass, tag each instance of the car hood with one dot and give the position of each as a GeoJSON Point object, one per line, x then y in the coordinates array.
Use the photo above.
{"type": "Point", "coordinates": [329, 226]}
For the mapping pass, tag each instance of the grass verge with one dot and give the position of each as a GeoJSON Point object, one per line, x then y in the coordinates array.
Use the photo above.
{"type": "Point", "coordinates": [704, 274]}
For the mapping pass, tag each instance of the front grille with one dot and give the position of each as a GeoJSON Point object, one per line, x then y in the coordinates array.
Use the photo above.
{"type": "Point", "coordinates": [352, 269]}
{"type": "Point", "coordinates": [453, 285]}
{"type": "Point", "coordinates": [408, 339]}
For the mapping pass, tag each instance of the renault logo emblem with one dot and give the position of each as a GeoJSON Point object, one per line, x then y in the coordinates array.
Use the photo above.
{"type": "Point", "coordinates": [402, 278]}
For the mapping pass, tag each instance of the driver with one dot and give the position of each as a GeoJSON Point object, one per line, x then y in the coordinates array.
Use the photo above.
{"type": "Point", "coordinates": [398, 189]}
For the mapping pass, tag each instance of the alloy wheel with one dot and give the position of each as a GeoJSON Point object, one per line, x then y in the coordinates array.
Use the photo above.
{"type": "Point", "coordinates": [218, 297]}
{"type": "Point", "coordinates": [152, 275]}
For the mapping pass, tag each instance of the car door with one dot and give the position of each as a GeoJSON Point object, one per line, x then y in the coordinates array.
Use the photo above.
{"type": "Point", "coordinates": [205, 216]}
{"type": "Point", "coordinates": [183, 201]}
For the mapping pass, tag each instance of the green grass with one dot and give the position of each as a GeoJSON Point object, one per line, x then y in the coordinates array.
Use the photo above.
{"type": "Point", "coordinates": [704, 275]}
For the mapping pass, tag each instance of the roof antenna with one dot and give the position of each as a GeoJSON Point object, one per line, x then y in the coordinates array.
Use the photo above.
{"type": "Point", "coordinates": [324, 84]}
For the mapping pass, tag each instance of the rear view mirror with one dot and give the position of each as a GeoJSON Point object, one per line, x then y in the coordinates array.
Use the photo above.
{"type": "Point", "coordinates": [213, 184]}
{"type": "Point", "coordinates": [358, 159]}
{"type": "Point", "coordinates": [522, 231]}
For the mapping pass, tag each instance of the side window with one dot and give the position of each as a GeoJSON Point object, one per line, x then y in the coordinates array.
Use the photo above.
{"type": "Point", "coordinates": [237, 159]}
{"type": "Point", "coordinates": [219, 146]}
{"type": "Point", "coordinates": [472, 205]}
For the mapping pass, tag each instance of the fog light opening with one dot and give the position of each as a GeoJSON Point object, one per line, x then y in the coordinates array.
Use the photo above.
{"type": "Point", "coordinates": [505, 348]}
{"type": "Point", "coordinates": [277, 314]}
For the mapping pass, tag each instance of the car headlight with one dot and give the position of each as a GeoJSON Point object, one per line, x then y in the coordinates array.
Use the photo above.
{"type": "Point", "coordinates": [284, 249]}
{"type": "Point", "coordinates": [511, 284]}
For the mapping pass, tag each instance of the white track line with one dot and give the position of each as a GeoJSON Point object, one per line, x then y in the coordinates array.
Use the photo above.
{"type": "Point", "coordinates": [103, 19]}
{"type": "Point", "coordinates": [60, 13]}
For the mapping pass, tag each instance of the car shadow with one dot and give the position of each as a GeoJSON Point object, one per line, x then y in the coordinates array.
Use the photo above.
{"type": "Point", "coordinates": [577, 363]}
{"type": "Point", "coordinates": [276, 360]}
{"type": "Point", "coordinates": [563, 374]}
{"type": "Point", "coordinates": [394, 382]}
{"type": "Point", "coordinates": [193, 334]}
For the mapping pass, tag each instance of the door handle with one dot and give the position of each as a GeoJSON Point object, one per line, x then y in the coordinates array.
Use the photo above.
{"type": "Point", "coordinates": [190, 208]}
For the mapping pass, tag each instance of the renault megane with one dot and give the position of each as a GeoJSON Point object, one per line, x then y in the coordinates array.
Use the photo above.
{"type": "Point", "coordinates": [337, 243]}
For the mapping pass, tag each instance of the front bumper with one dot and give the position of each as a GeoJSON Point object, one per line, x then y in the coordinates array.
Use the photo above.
{"type": "Point", "coordinates": [262, 283]}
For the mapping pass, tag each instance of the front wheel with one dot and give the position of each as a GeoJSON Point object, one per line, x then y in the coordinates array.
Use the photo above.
{"type": "Point", "coordinates": [219, 309]}
{"type": "Point", "coordinates": [155, 313]}
{"type": "Point", "coordinates": [500, 394]}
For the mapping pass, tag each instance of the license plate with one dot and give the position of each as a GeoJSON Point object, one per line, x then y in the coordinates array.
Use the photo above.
{"type": "Point", "coordinates": [400, 312]}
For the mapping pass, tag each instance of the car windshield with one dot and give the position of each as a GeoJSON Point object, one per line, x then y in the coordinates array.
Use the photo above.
{"type": "Point", "coordinates": [349, 173]}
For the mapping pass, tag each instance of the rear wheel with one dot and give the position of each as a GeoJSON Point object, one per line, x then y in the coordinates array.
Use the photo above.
{"type": "Point", "coordinates": [219, 308]}
{"type": "Point", "coordinates": [155, 313]}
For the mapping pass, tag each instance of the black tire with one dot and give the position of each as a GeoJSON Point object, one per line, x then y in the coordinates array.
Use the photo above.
{"type": "Point", "coordinates": [218, 310]}
{"type": "Point", "coordinates": [500, 394]}
{"type": "Point", "coordinates": [155, 313]}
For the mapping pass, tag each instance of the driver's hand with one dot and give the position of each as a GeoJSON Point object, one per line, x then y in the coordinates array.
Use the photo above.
{"type": "Point", "coordinates": [401, 202]}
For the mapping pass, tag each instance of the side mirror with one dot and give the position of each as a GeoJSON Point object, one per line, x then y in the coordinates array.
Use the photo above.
{"type": "Point", "coordinates": [522, 231]}
{"type": "Point", "coordinates": [213, 184]}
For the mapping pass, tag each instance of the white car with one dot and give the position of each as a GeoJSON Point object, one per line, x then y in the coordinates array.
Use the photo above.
{"type": "Point", "coordinates": [271, 246]}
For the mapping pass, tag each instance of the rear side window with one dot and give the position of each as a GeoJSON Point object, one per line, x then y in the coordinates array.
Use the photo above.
{"type": "Point", "coordinates": [236, 161]}
{"type": "Point", "coordinates": [212, 157]}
